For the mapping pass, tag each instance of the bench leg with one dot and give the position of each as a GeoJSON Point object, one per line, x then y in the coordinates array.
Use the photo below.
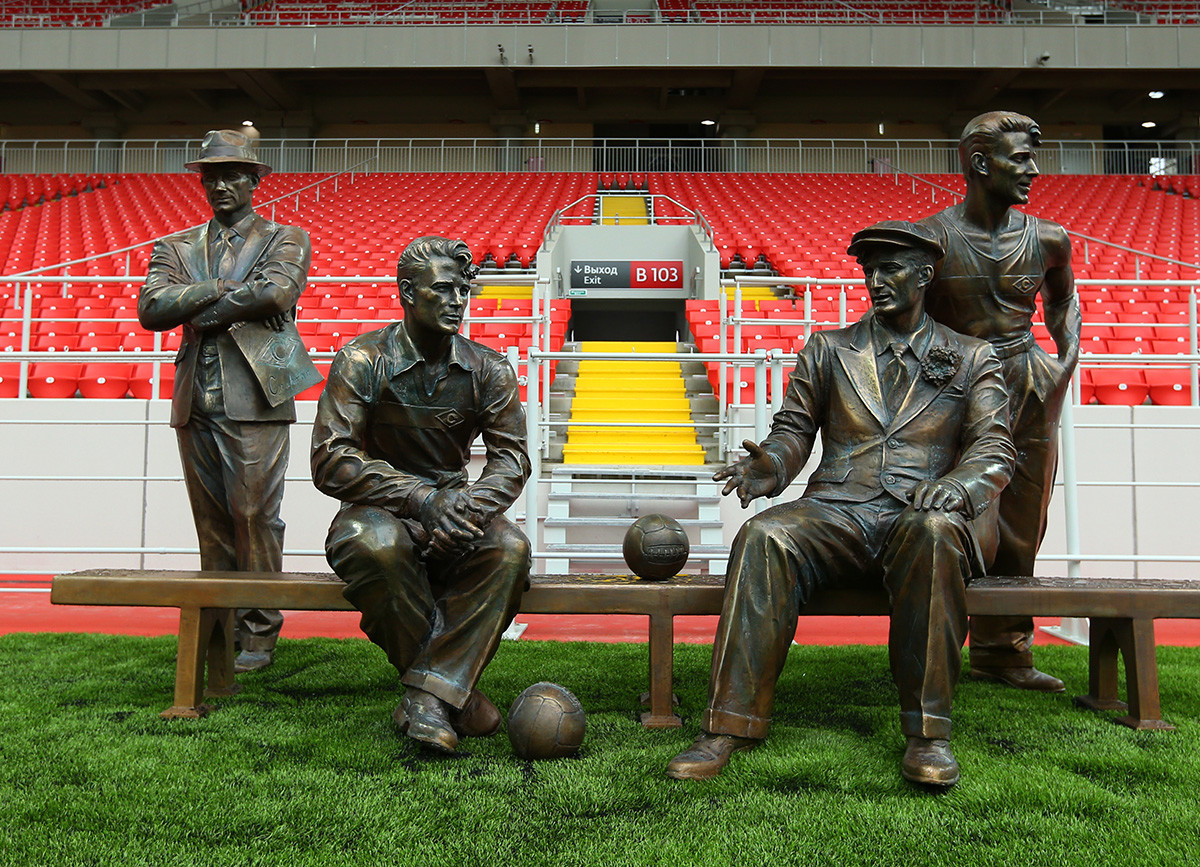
{"type": "Point", "coordinates": [1134, 640]}
{"type": "Point", "coordinates": [220, 653]}
{"type": "Point", "coordinates": [662, 664]}
{"type": "Point", "coordinates": [200, 631]}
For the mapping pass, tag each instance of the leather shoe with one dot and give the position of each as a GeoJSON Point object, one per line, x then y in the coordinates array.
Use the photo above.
{"type": "Point", "coordinates": [929, 761]}
{"type": "Point", "coordinates": [1026, 677]}
{"type": "Point", "coordinates": [478, 718]}
{"type": "Point", "coordinates": [707, 756]}
{"type": "Point", "coordinates": [252, 660]}
{"type": "Point", "coordinates": [425, 720]}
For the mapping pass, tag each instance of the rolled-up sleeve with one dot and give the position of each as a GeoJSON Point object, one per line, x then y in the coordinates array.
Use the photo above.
{"type": "Point", "coordinates": [502, 420]}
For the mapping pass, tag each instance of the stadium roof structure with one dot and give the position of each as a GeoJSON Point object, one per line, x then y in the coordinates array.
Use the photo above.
{"type": "Point", "coordinates": [305, 79]}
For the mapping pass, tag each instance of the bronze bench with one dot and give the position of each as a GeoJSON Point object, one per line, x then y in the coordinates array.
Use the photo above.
{"type": "Point", "coordinates": [1122, 613]}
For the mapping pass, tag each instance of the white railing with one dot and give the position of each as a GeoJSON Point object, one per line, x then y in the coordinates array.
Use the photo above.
{"type": "Point", "coordinates": [632, 155]}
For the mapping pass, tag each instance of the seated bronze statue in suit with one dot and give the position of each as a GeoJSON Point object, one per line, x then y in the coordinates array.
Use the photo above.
{"type": "Point", "coordinates": [914, 428]}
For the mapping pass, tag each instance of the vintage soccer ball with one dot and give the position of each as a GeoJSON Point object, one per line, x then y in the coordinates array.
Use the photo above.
{"type": "Point", "coordinates": [546, 722]}
{"type": "Point", "coordinates": [656, 547]}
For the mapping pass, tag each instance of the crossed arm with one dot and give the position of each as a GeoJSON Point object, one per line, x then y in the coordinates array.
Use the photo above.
{"type": "Point", "coordinates": [172, 296]}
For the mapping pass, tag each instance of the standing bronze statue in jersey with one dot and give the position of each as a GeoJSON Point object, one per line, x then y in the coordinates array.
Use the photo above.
{"type": "Point", "coordinates": [998, 261]}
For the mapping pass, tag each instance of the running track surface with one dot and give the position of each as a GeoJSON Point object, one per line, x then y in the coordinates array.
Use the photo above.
{"type": "Point", "coordinates": [25, 607]}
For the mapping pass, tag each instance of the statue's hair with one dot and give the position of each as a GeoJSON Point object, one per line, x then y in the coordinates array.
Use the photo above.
{"type": "Point", "coordinates": [417, 255]}
{"type": "Point", "coordinates": [982, 134]}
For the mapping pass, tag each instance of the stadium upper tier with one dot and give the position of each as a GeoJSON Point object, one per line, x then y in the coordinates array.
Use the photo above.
{"type": "Point", "coordinates": [794, 225]}
{"type": "Point", "coordinates": [56, 13]}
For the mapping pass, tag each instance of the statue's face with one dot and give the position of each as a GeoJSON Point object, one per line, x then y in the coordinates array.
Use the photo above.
{"type": "Point", "coordinates": [437, 298]}
{"type": "Point", "coordinates": [228, 186]}
{"type": "Point", "coordinates": [1009, 170]}
{"type": "Point", "coordinates": [895, 279]}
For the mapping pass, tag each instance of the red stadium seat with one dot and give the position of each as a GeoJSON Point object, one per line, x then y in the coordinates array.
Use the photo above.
{"type": "Point", "coordinates": [104, 380]}
{"type": "Point", "coordinates": [10, 378]}
{"type": "Point", "coordinates": [1120, 386]}
{"type": "Point", "coordinates": [1169, 386]}
{"type": "Point", "coordinates": [54, 379]}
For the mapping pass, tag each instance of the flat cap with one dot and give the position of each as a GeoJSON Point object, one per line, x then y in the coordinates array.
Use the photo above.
{"type": "Point", "coordinates": [896, 233]}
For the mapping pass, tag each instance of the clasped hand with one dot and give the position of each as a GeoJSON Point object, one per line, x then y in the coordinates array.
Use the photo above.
{"type": "Point", "coordinates": [937, 496]}
{"type": "Point", "coordinates": [752, 477]}
{"type": "Point", "coordinates": [453, 520]}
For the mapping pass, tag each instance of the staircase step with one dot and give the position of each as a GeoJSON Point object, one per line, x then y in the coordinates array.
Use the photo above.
{"type": "Point", "coordinates": [631, 455]}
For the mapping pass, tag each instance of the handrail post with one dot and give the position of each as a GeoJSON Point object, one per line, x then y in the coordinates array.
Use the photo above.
{"type": "Point", "coordinates": [156, 368]}
{"type": "Point", "coordinates": [760, 408]}
{"type": "Point", "coordinates": [26, 337]}
{"type": "Point", "coordinates": [1193, 348]}
{"type": "Point", "coordinates": [777, 357]}
{"type": "Point", "coordinates": [737, 339]}
{"type": "Point", "coordinates": [532, 441]}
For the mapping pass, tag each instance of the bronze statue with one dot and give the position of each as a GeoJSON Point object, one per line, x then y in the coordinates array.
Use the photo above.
{"type": "Point", "coordinates": [233, 284]}
{"type": "Point", "coordinates": [914, 425]}
{"type": "Point", "coordinates": [428, 558]}
{"type": "Point", "coordinates": [997, 262]}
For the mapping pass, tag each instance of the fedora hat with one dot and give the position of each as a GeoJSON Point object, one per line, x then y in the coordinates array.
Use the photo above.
{"type": "Point", "coordinates": [896, 233]}
{"type": "Point", "coordinates": [230, 146]}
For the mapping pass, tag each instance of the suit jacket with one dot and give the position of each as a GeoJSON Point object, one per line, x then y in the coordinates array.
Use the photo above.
{"type": "Point", "coordinates": [261, 370]}
{"type": "Point", "coordinates": [956, 430]}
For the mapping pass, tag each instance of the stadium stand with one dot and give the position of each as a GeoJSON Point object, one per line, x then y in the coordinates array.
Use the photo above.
{"type": "Point", "coordinates": [49, 13]}
{"type": "Point", "coordinates": [792, 225]}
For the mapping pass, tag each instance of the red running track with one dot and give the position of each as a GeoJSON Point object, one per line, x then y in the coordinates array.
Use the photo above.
{"type": "Point", "coordinates": [25, 607]}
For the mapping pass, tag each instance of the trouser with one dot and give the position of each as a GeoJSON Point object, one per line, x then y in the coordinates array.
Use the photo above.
{"type": "Point", "coordinates": [234, 472]}
{"type": "Point", "coordinates": [785, 554]}
{"type": "Point", "coordinates": [1035, 395]}
{"type": "Point", "coordinates": [438, 620]}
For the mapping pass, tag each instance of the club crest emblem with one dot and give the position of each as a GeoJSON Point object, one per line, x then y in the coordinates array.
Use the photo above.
{"type": "Point", "coordinates": [450, 418]}
{"type": "Point", "coordinates": [1024, 284]}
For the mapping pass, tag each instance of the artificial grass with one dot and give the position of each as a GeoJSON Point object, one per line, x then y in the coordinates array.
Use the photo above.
{"type": "Point", "coordinates": [305, 767]}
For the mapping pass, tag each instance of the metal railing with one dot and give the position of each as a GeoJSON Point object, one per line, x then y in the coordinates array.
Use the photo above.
{"type": "Point", "coordinates": [537, 153]}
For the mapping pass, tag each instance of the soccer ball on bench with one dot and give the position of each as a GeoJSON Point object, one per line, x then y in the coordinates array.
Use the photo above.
{"type": "Point", "coordinates": [656, 547]}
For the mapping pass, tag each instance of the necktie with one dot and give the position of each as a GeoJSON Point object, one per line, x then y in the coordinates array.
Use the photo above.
{"type": "Point", "coordinates": [895, 378]}
{"type": "Point", "coordinates": [226, 257]}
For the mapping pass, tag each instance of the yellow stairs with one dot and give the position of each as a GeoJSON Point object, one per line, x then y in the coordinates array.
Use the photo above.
{"type": "Point", "coordinates": [504, 290]}
{"type": "Point", "coordinates": [623, 211]}
{"type": "Point", "coordinates": [630, 391]}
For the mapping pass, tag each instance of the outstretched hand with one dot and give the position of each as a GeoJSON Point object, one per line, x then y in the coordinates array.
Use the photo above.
{"type": "Point", "coordinates": [752, 477]}
{"type": "Point", "coordinates": [937, 496]}
{"type": "Point", "coordinates": [453, 520]}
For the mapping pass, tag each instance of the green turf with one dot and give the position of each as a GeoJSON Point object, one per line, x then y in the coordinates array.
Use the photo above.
{"type": "Point", "coordinates": [304, 767]}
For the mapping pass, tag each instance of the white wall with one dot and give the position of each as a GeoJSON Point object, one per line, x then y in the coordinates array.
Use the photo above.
{"type": "Point", "coordinates": [76, 441]}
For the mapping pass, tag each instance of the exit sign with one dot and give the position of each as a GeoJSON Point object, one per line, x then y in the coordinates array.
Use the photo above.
{"type": "Point", "coordinates": [623, 274]}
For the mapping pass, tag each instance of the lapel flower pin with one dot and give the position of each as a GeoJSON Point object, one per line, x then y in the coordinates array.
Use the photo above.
{"type": "Point", "coordinates": [940, 364]}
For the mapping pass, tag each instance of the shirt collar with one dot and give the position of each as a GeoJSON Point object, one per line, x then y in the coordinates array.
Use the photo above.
{"type": "Point", "coordinates": [405, 354]}
{"type": "Point", "coordinates": [918, 341]}
{"type": "Point", "coordinates": [241, 228]}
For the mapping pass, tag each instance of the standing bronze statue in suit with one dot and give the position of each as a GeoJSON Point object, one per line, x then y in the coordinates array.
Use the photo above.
{"type": "Point", "coordinates": [427, 556]}
{"type": "Point", "coordinates": [914, 427]}
{"type": "Point", "coordinates": [233, 284]}
{"type": "Point", "coordinates": [997, 262]}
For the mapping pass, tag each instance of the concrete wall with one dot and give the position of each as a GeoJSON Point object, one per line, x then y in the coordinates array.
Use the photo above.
{"type": "Point", "coordinates": [595, 45]}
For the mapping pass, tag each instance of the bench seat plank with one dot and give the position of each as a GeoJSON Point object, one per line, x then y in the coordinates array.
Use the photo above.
{"type": "Point", "coordinates": [1122, 612]}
